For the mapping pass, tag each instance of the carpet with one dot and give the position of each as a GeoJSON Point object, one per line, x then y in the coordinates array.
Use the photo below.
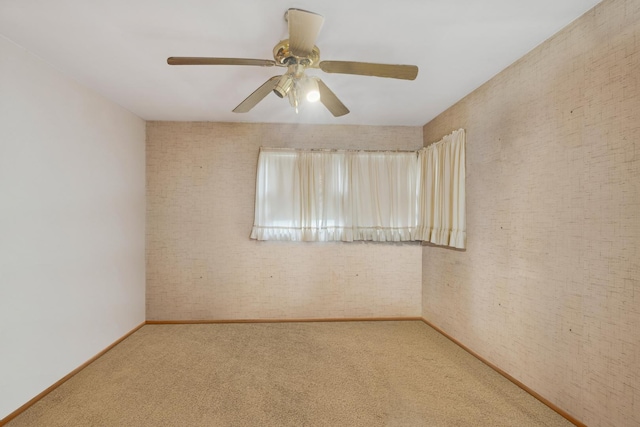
{"type": "Point", "coordinates": [389, 373]}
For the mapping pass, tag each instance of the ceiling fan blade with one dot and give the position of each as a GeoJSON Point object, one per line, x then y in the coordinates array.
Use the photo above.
{"type": "Point", "coordinates": [405, 72]}
{"type": "Point", "coordinates": [257, 95]}
{"type": "Point", "coordinates": [331, 101]}
{"type": "Point", "coordinates": [188, 60]}
{"type": "Point", "coordinates": [304, 28]}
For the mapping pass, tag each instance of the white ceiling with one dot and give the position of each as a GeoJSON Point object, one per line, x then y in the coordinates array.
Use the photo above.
{"type": "Point", "coordinates": [119, 48]}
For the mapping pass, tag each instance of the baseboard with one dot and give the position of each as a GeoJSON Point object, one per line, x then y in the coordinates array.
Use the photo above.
{"type": "Point", "coordinates": [560, 411]}
{"type": "Point", "coordinates": [301, 320]}
{"type": "Point", "coordinates": [58, 383]}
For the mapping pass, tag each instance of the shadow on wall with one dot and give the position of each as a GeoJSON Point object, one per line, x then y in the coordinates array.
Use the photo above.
{"type": "Point", "coordinates": [433, 245]}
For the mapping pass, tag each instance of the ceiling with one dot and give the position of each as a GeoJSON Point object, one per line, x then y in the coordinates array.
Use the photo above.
{"type": "Point", "coordinates": [119, 49]}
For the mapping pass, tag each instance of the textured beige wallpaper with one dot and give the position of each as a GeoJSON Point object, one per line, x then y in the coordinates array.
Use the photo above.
{"type": "Point", "coordinates": [548, 288]}
{"type": "Point", "coordinates": [201, 263]}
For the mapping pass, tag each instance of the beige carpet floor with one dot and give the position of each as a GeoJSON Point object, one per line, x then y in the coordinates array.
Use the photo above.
{"type": "Point", "coordinates": [288, 374]}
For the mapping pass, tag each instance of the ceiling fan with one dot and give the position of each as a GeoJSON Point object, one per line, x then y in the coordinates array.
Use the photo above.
{"type": "Point", "coordinates": [298, 53]}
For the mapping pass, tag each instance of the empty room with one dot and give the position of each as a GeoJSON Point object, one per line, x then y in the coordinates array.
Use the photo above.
{"type": "Point", "coordinates": [320, 213]}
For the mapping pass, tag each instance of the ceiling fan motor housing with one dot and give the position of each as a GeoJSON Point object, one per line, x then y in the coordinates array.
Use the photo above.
{"type": "Point", "coordinates": [283, 55]}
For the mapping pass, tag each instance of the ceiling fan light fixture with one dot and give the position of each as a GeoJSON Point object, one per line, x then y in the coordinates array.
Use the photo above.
{"type": "Point", "coordinates": [293, 95]}
{"type": "Point", "coordinates": [283, 86]}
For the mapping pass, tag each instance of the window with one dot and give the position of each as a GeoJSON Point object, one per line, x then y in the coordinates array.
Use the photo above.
{"type": "Point", "coordinates": [326, 195]}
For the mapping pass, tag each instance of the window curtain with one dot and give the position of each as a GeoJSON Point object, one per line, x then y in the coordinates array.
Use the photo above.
{"type": "Point", "coordinates": [383, 194]}
{"type": "Point", "coordinates": [325, 195]}
{"type": "Point", "coordinates": [336, 195]}
{"type": "Point", "coordinates": [442, 209]}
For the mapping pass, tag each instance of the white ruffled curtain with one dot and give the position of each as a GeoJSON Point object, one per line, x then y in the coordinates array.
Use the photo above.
{"type": "Point", "coordinates": [335, 195]}
{"type": "Point", "coordinates": [324, 195]}
{"type": "Point", "coordinates": [442, 209]}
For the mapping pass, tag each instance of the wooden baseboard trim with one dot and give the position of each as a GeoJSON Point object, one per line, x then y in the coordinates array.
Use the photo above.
{"type": "Point", "coordinates": [58, 383]}
{"type": "Point", "coordinates": [302, 320]}
{"type": "Point", "coordinates": [560, 411]}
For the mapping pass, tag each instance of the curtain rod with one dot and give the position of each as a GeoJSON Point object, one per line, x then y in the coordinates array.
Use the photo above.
{"type": "Point", "coordinates": [333, 150]}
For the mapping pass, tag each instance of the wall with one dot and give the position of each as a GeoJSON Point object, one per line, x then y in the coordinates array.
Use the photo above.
{"type": "Point", "coordinates": [71, 225]}
{"type": "Point", "coordinates": [201, 263]}
{"type": "Point", "coordinates": [548, 289]}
